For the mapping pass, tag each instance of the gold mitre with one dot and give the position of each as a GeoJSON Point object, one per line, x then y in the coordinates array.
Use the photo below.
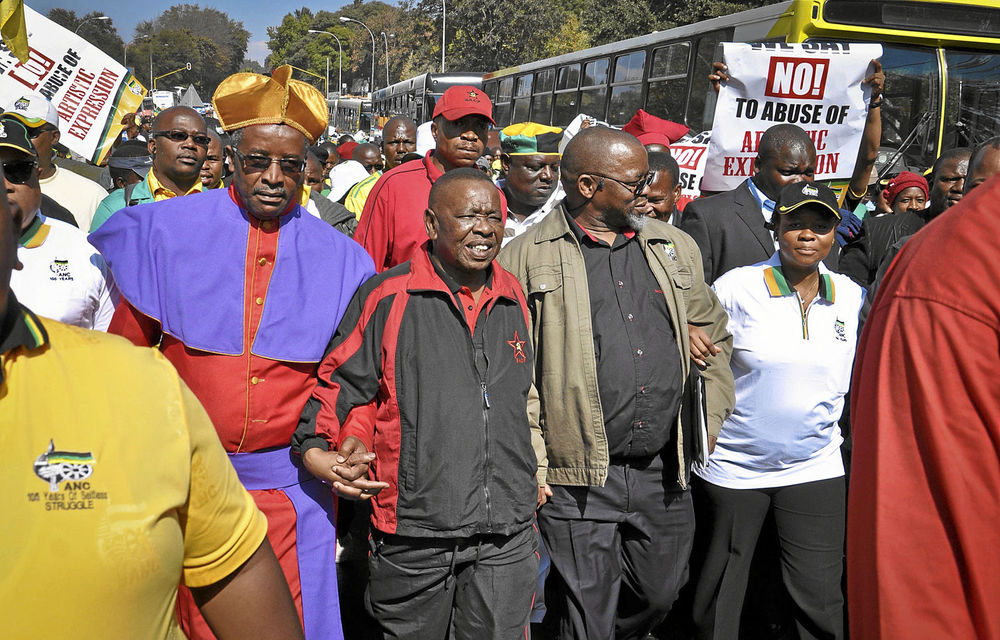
{"type": "Point", "coordinates": [244, 99]}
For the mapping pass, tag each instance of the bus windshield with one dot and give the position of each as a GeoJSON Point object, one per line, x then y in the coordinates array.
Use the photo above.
{"type": "Point", "coordinates": [972, 99]}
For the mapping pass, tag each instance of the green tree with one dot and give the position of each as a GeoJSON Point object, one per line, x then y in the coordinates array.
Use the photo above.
{"type": "Point", "coordinates": [210, 40]}
{"type": "Point", "coordinates": [100, 33]}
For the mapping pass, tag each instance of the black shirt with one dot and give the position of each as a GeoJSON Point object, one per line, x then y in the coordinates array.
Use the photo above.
{"type": "Point", "coordinates": [638, 364]}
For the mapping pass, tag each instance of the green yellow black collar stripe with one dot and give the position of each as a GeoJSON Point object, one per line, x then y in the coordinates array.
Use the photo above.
{"type": "Point", "coordinates": [35, 234]}
{"type": "Point", "coordinates": [777, 285]}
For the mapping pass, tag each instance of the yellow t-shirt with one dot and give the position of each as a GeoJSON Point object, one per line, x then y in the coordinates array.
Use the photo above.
{"type": "Point", "coordinates": [358, 195]}
{"type": "Point", "coordinates": [115, 490]}
{"type": "Point", "coordinates": [161, 193]}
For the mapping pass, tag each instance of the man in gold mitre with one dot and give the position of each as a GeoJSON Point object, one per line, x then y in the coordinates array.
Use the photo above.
{"type": "Point", "coordinates": [242, 289]}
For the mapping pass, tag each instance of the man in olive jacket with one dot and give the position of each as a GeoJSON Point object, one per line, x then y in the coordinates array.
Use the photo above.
{"type": "Point", "coordinates": [611, 295]}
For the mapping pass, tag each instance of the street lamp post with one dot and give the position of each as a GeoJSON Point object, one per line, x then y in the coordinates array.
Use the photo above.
{"type": "Point", "coordinates": [86, 20]}
{"type": "Point", "coordinates": [125, 56]}
{"type": "Point", "coordinates": [346, 19]}
{"type": "Point", "coordinates": [442, 34]}
{"type": "Point", "coordinates": [340, 58]}
{"type": "Point", "coordinates": [385, 39]}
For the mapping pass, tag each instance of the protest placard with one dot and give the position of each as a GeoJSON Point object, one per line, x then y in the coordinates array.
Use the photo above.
{"type": "Point", "coordinates": [815, 85]}
{"type": "Point", "coordinates": [90, 90]}
{"type": "Point", "coordinates": [689, 152]}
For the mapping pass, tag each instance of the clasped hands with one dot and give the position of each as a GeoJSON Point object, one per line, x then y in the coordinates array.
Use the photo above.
{"type": "Point", "coordinates": [346, 469]}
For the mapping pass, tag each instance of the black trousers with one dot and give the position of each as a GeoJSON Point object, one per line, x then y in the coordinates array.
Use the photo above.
{"type": "Point", "coordinates": [810, 521]}
{"type": "Point", "coordinates": [476, 588]}
{"type": "Point", "coordinates": [619, 553]}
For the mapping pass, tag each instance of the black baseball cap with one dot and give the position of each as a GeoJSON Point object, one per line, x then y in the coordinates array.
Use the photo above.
{"type": "Point", "coordinates": [14, 135]}
{"type": "Point", "coordinates": [798, 194]}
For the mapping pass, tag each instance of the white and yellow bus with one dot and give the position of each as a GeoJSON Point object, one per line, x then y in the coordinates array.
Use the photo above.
{"type": "Point", "coordinates": [941, 59]}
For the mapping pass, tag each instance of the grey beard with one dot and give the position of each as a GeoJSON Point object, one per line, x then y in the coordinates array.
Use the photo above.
{"type": "Point", "coordinates": [637, 221]}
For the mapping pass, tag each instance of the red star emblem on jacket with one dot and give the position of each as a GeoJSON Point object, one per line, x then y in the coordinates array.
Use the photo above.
{"type": "Point", "coordinates": [518, 345]}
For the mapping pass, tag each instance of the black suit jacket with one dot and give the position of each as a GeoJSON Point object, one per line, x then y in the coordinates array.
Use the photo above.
{"type": "Point", "coordinates": [729, 229]}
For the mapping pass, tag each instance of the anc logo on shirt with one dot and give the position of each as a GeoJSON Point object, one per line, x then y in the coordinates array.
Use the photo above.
{"type": "Point", "coordinates": [840, 330]}
{"type": "Point", "coordinates": [60, 270]}
{"type": "Point", "coordinates": [518, 344]}
{"type": "Point", "coordinates": [72, 470]}
{"type": "Point", "coordinates": [3, 132]}
{"type": "Point", "coordinates": [58, 466]}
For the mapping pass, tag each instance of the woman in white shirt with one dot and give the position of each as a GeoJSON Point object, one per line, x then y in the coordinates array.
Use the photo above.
{"type": "Point", "coordinates": [794, 326]}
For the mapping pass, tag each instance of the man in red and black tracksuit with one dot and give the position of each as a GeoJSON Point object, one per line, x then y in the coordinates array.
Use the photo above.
{"type": "Point", "coordinates": [431, 372]}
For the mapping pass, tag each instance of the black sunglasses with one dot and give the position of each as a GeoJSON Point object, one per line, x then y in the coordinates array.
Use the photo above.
{"type": "Point", "coordinates": [635, 186]}
{"type": "Point", "coordinates": [34, 132]}
{"type": "Point", "coordinates": [177, 135]}
{"type": "Point", "coordinates": [256, 164]}
{"type": "Point", "coordinates": [19, 171]}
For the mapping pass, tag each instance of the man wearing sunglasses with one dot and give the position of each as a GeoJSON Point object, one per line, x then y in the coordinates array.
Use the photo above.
{"type": "Point", "coordinates": [179, 145]}
{"type": "Point", "coordinates": [242, 289]}
{"type": "Point", "coordinates": [611, 293]}
{"type": "Point", "coordinates": [63, 277]}
{"type": "Point", "coordinates": [71, 190]}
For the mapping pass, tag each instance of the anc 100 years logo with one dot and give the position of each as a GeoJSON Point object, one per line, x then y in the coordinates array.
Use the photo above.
{"type": "Point", "coordinates": [67, 474]}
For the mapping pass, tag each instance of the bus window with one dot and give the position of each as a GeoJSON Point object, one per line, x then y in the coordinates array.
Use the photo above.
{"type": "Point", "coordinates": [595, 72]}
{"type": "Point", "coordinates": [625, 101]}
{"type": "Point", "coordinates": [541, 108]}
{"type": "Point", "coordinates": [564, 109]}
{"type": "Point", "coordinates": [521, 106]}
{"type": "Point", "coordinates": [670, 61]}
{"type": "Point", "coordinates": [668, 81]}
{"type": "Point", "coordinates": [490, 87]}
{"type": "Point", "coordinates": [592, 102]}
{"type": "Point", "coordinates": [911, 104]}
{"type": "Point", "coordinates": [628, 68]}
{"type": "Point", "coordinates": [501, 113]}
{"type": "Point", "coordinates": [523, 87]}
{"type": "Point", "coordinates": [701, 107]}
{"type": "Point", "coordinates": [544, 81]}
{"type": "Point", "coordinates": [506, 86]}
{"type": "Point", "coordinates": [569, 77]}
{"type": "Point", "coordinates": [973, 98]}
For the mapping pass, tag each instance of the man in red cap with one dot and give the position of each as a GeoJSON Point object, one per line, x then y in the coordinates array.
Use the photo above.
{"type": "Point", "coordinates": [656, 134]}
{"type": "Point", "coordinates": [392, 222]}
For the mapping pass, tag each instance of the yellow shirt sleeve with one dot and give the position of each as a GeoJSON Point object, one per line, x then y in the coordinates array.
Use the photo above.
{"type": "Point", "coordinates": [222, 525]}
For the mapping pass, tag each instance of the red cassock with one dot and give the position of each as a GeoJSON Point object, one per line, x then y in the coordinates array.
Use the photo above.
{"type": "Point", "coordinates": [923, 534]}
{"type": "Point", "coordinates": [253, 402]}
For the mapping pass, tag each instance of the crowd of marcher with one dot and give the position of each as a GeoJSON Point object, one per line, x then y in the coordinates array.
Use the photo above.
{"type": "Point", "coordinates": [500, 388]}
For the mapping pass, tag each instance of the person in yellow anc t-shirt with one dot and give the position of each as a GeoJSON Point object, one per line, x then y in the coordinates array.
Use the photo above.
{"type": "Point", "coordinates": [116, 489]}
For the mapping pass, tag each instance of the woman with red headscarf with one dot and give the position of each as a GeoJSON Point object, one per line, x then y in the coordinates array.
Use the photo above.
{"type": "Point", "coordinates": [907, 192]}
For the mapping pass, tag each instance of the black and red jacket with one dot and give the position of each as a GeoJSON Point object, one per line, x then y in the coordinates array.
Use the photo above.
{"type": "Point", "coordinates": [444, 409]}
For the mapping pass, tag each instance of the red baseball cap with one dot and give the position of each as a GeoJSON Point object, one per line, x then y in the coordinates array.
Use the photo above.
{"type": "Point", "coordinates": [463, 100]}
{"type": "Point", "coordinates": [346, 149]}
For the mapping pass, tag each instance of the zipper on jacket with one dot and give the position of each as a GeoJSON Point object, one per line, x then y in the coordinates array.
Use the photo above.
{"type": "Point", "coordinates": [486, 461]}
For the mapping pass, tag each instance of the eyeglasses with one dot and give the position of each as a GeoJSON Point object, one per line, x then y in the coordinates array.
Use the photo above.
{"type": "Point", "coordinates": [177, 135]}
{"type": "Point", "coordinates": [19, 171]}
{"type": "Point", "coordinates": [636, 186]}
{"type": "Point", "coordinates": [256, 164]}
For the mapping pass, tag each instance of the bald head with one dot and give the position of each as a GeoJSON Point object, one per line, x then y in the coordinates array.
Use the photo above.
{"type": "Point", "coordinates": [789, 136]}
{"type": "Point", "coordinates": [369, 157]}
{"type": "Point", "coordinates": [785, 155]}
{"type": "Point", "coordinates": [598, 149]}
{"type": "Point", "coordinates": [165, 118]}
{"type": "Point", "coordinates": [984, 163]}
{"type": "Point", "coordinates": [399, 137]}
